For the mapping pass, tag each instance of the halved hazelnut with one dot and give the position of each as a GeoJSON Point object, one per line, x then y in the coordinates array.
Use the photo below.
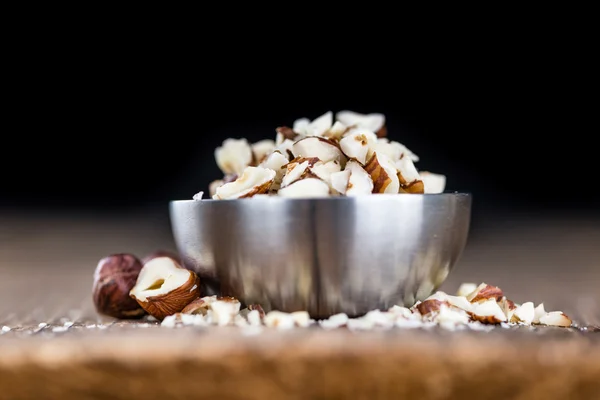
{"type": "Point", "coordinates": [200, 305]}
{"type": "Point", "coordinates": [374, 122]}
{"type": "Point", "coordinates": [305, 188]}
{"type": "Point", "coordinates": [261, 149]}
{"type": "Point", "coordinates": [433, 183]}
{"type": "Point", "coordinates": [321, 148]}
{"type": "Point", "coordinates": [233, 156]}
{"type": "Point", "coordinates": [336, 131]}
{"type": "Point", "coordinates": [162, 253]}
{"type": "Point", "coordinates": [485, 292]}
{"type": "Point", "coordinates": [317, 127]}
{"type": "Point", "coordinates": [357, 143]}
{"type": "Point", "coordinates": [394, 150]}
{"type": "Point", "coordinates": [487, 311]}
{"type": "Point", "coordinates": [276, 161]}
{"type": "Point", "coordinates": [465, 289]}
{"type": "Point", "coordinates": [164, 287]}
{"type": "Point", "coordinates": [254, 180]}
{"type": "Point", "coordinates": [383, 173]}
{"type": "Point", "coordinates": [538, 313]}
{"type": "Point", "coordinates": [556, 318]}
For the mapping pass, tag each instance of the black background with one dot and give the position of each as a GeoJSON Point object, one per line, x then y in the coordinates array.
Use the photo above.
{"type": "Point", "coordinates": [119, 132]}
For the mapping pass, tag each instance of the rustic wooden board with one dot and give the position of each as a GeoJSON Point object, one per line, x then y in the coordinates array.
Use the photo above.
{"type": "Point", "coordinates": [46, 270]}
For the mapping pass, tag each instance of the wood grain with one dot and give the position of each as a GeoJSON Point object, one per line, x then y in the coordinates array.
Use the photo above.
{"type": "Point", "coordinates": [46, 266]}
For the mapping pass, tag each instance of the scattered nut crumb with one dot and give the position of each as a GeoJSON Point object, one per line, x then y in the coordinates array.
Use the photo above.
{"type": "Point", "coordinates": [6, 329]}
{"type": "Point", "coordinates": [335, 321]}
{"type": "Point", "coordinates": [279, 320]}
{"type": "Point", "coordinates": [254, 318]}
{"type": "Point", "coordinates": [488, 308]}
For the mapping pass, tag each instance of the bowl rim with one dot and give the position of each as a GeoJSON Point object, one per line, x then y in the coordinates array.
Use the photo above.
{"type": "Point", "coordinates": [448, 194]}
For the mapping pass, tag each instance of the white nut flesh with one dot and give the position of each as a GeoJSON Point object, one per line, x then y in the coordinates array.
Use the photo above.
{"type": "Point", "coordinates": [305, 188]}
{"type": "Point", "coordinates": [261, 149]}
{"type": "Point", "coordinates": [555, 318]}
{"type": "Point", "coordinates": [359, 181]}
{"type": "Point", "coordinates": [465, 289]}
{"type": "Point", "coordinates": [279, 320]}
{"type": "Point", "coordinates": [317, 127]}
{"type": "Point", "coordinates": [324, 170]}
{"type": "Point", "coordinates": [337, 131]}
{"type": "Point", "coordinates": [334, 322]}
{"type": "Point", "coordinates": [460, 302]}
{"type": "Point", "coordinates": [383, 173]}
{"type": "Point", "coordinates": [407, 170]}
{"type": "Point", "coordinates": [320, 148]}
{"type": "Point", "coordinates": [372, 122]}
{"type": "Point", "coordinates": [233, 156]}
{"type": "Point", "coordinates": [295, 172]}
{"type": "Point", "coordinates": [488, 312]}
{"type": "Point", "coordinates": [357, 144]}
{"type": "Point", "coordinates": [538, 313]}
{"type": "Point", "coordinates": [159, 276]}
{"type": "Point", "coordinates": [286, 148]}
{"type": "Point", "coordinates": [394, 150]}
{"type": "Point", "coordinates": [339, 180]}
{"type": "Point", "coordinates": [224, 312]}
{"type": "Point", "coordinates": [524, 314]}
{"type": "Point", "coordinates": [253, 180]}
{"type": "Point", "coordinates": [276, 161]}
{"type": "Point", "coordinates": [434, 183]}
{"type": "Point", "coordinates": [212, 187]}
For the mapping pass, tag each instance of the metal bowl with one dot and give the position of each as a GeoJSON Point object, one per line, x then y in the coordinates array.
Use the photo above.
{"type": "Point", "coordinates": [328, 255]}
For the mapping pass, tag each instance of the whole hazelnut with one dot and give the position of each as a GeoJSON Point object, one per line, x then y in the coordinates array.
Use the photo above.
{"type": "Point", "coordinates": [114, 277]}
{"type": "Point", "coordinates": [161, 253]}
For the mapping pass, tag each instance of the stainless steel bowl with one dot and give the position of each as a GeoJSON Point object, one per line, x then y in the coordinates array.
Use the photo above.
{"type": "Point", "coordinates": [325, 255]}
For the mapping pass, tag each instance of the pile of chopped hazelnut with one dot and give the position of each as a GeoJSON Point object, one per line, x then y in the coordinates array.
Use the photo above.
{"type": "Point", "coordinates": [474, 307]}
{"type": "Point", "coordinates": [125, 287]}
{"type": "Point", "coordinates": [347, 157]}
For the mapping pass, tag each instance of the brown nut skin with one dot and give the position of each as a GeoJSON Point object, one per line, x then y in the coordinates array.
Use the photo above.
{"type": "Point", "coordinates": [162, 253]}
{"type": "Point", "coordinates": [174, 301]}
{"type": "Point", "coordinates": [114, 277]}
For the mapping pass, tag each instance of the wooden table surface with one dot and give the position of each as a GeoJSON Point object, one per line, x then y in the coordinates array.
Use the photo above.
{"type": "Point", "coordinates": [46, 266]}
